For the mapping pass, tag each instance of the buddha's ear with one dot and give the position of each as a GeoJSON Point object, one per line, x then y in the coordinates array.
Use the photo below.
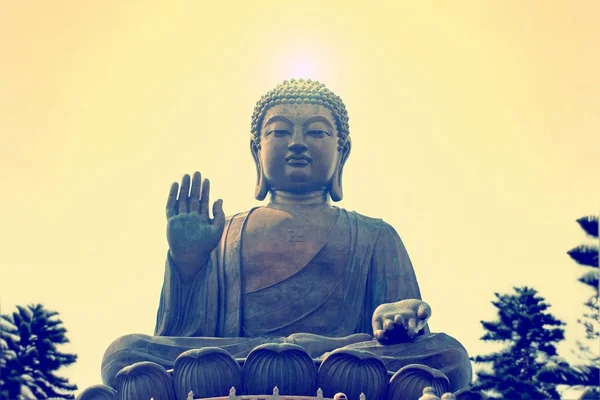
{"type": "Point", "coordinates": [262, 188]}
{"type": "Point", "coordinates": [335, 189]}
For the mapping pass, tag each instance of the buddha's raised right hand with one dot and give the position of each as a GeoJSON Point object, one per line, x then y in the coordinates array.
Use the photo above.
{"type": "Point", "coordinates": [191, 233]}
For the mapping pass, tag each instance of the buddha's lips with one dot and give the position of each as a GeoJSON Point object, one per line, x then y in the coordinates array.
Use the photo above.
{"type": "Point", "coordinates": [298, 160]}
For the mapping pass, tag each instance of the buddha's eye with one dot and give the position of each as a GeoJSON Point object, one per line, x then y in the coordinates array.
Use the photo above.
{"type": "Point", "coordinates": [279, 132]}
{"type": "Point", "coordinates": [317, 133]}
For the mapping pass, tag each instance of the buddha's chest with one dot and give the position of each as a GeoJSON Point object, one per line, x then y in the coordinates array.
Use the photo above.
{"type": "Point", "coordinates": [277, 244]}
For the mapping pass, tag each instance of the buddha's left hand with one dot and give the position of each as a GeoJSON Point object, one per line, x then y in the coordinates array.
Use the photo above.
{"type": "Point", "coordinates": [400, 321]}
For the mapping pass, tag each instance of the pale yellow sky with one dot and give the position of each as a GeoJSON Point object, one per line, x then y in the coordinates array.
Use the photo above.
{"type": "Point", "coordinates": [474, 127]}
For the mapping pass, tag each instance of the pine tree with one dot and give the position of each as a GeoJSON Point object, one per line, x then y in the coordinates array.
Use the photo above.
{"type": "Point", "coordinates": [587, 256]}
{"type": "Point", "coordinates": [588, 374]}
{"type": "Point", "coordinates": [531, 334]}
{"type": "Point", "coordinates": [10, 367]}
{"type": "Point", "coordinates": [39, 332]}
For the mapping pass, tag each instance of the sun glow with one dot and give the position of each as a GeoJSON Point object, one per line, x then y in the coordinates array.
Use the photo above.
{"type": "Point", "coordinates": [302, 67]}
{"type": "Point", "coordinates": [474, 134]}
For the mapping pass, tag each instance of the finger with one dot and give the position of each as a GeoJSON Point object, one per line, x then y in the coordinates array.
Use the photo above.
{"type": "Point", "coordinates": [205, 197]}
{"type": "Point", "coordinates": [388, 325]}
{"type": "Point", "coordinates": [219, 220]}
{"type": "Point", "coordinates": [399, 320]}
{"type": "Point", "coordinates": [412, 330]}
{"type": "Point", "coordinates": [195, 192]}
{"type": "Point", "coordinates": [378, 331]}
{"type": "Point", "coordinates": [377, 325]}
{"type": "Point", "coordinates": [184, 194]}
{"type": "Point", "coordinates": [424, 311]}
{"type": "Point", "coordinates": [172, 200]}
{"type": "Point", "coordinates": [379, 334]}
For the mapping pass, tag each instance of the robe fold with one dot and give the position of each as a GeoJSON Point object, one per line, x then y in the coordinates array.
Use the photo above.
{"type": "Point", "coordinates": [377, 270]}
{"type": "Point", "coordinates": [330, 296]}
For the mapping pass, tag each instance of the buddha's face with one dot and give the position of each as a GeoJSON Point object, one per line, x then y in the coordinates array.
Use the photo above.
{"type": "Point", "coordinates": [299, 147]}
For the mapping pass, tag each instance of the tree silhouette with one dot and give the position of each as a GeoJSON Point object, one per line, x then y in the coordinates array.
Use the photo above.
{"type": "Point", "coordinates": [31, 358]}
{"type": "Point", "coordinates": [531, 334]}
{"type": "Point", "coordinates": [588, 374]}
{"type": "Point", "coordinates": [10, 366]}
{"type": "Point", "coordinates": [587, 256]}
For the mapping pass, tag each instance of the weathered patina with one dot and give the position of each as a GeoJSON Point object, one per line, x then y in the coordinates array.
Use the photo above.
{"type": "Point", "coordinates": [297, 270]}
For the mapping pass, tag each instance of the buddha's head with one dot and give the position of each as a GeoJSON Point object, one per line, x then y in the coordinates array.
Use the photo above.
{"type": "Point", "coordinates": [300, 139]}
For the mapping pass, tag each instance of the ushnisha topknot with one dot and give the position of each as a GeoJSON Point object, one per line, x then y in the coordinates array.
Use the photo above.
{"type": "Point", "coordinates": [299, 91]}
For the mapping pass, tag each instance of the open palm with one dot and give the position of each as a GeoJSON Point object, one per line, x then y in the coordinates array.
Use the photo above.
{"type": "Point", "coordinates": [191, 233]}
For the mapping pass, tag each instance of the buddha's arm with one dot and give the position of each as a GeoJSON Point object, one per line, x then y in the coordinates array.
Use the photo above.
{"type": "Point", "coordinates": [392, 277]}
{"type": "Point", "coordinates": [183, 303]}
{"type": "Point", "coordinates": [192, 237]}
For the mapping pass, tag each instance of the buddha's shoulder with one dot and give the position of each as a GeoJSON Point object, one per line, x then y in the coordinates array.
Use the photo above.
{"type": "Point", "coordinates": [377, 224]}
{"type": "Point", "coordinates": [361, 221]}
{"type": "Point", "coordinates": [240, 216]}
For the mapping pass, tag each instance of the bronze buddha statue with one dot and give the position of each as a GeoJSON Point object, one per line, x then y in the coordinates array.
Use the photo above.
{"type": "Point", "coordinates": [297, 270]}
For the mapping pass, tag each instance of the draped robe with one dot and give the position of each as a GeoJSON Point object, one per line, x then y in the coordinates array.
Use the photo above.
{"type": "Point", "coordinates": [331, 295]}
{"type": "Point", "coordinates": [377, 270]}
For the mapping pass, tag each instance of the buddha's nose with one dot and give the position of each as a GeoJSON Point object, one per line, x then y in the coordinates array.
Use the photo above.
{"type": "Point", "coordinates": [297, 142]}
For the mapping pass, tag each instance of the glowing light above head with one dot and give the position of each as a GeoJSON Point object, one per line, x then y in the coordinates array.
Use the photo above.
{"type": "Point", "coordinates": [302, 64]}
{"type": "Point", "coordinates": [303, 68]}
{"type": "Point", "coordinates": [303, 56]}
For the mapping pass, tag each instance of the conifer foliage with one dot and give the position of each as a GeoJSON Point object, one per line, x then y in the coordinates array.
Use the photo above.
{"type": "Point", "coordinates": [586, 375]}
{"type": "Point", "coordinates": [530, 334]}
{"type": "Point", "coordinates": [10, 378]}
{"type": "Point", "coordinates": [30, 357]}
{"type": "Point", "coordinates": [586, 255]}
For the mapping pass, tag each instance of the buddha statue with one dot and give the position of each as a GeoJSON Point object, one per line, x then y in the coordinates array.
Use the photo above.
{"type": "Point", "coordinates": [297, 270]}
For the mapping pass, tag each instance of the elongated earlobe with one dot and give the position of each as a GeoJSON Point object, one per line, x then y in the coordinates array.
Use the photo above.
{"type": "Point", "coordinates": [335, 188]}
{"type": "Point", "coordinates": [262, 188]}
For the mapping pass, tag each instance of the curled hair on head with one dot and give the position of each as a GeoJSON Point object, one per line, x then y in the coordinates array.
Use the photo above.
{"type": "Point", "coordinates": [301, 91]}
